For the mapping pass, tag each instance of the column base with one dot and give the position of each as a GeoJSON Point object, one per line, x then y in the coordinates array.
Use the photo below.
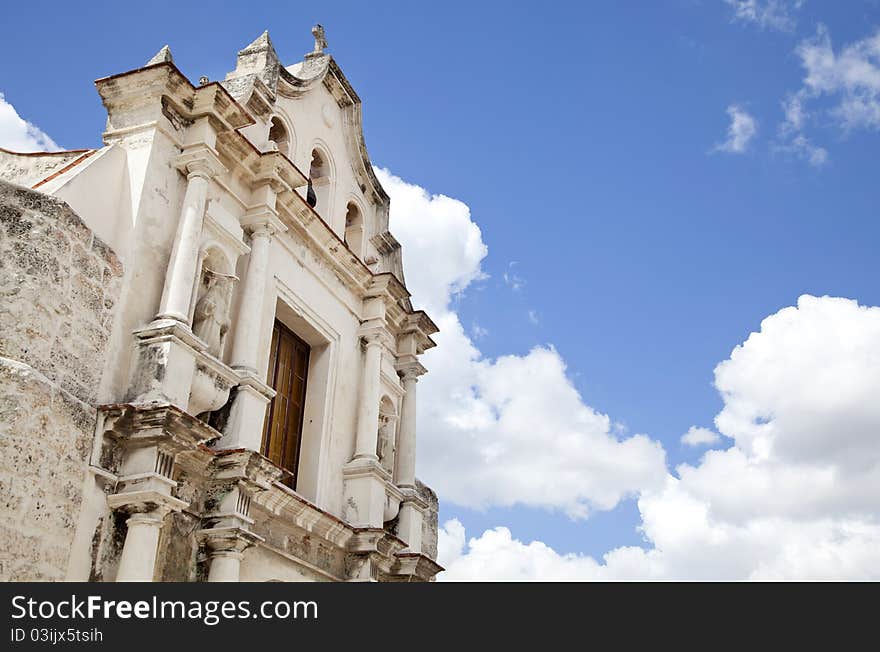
{"type": "Point", "coordinates": [166, 352]}
{"type": "Point", "coordinates": [409, 523]}
{"type": "Point", "coordinates": [174, 367]}
{"type": "Point", "coordinates": [364, 482]}
{"type": "Point", "coordinates": [244, 428]}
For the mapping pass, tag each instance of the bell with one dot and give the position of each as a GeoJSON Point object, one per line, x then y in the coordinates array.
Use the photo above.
{"type": "Point", "coordinates": [311, 197]}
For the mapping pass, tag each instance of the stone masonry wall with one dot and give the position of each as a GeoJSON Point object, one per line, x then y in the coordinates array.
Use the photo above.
{"type": "Point", "coordinates": [58, 287]}
{"type": "Point", "coordinates": [429, 524]}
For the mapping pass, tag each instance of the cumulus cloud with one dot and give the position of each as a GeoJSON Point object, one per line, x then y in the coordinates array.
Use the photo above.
{"type": "Point", "coordinates": [766, 14]}
{"type": "Point", "coordinates": [742, 129]}
{"type": "Point", "coordinates": [496, 555]}
{"type": "Point", "coordinates": [444, 247]}
{"type": "Point", "coordinates": [696, 436]}
{"type": "Point", "coordinates": [851, 76]}
{"type": "Point", "coordinates": [793, 498]}
{"type": "Point", "coordinates": [514, 428]}
{"type": "Point", "coordinates": [841, 87]}
{"type": "Point", "coordinates": [19, 135]}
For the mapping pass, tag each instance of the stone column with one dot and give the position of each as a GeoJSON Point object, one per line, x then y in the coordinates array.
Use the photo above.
{"type": "Point", "coordinates": [182, 266]}
{"type": "Point", "coordinates": [225, 551]}
{"type": "Point", "coordinates": [368, 406]}
{"type": "Point", "coordinates": [225, 566]}
{"type": "Point", "coordinates": [406, 445]}
{"type": "Point", "coordinates": [246, 344]}
{"type": "Point", "coordinates": [137, 562]}
{"type": "Point", "coordinates": [244, 428]}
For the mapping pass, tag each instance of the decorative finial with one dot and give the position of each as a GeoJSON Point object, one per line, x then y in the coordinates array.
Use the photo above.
{"type": "Point", "coordinates": [320, 40]}
{"type": "Point", "coordinates": [203, 80]}
{"type": "Point", "coordinates": [162, 56]}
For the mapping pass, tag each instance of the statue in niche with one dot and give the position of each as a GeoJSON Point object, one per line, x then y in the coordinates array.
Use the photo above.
{"type": "Point", "coordinates": [386, 443]}
{"type": "Point", "coordinates": [211, 316]}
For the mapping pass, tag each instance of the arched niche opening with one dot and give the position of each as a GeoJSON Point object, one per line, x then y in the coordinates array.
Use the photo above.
{"type": "Point", "coordinates": [279, 135]}
{"type": "Point", "coordinates": [354, 229]}
{"type": "Point", "coordinates": [318, 192]}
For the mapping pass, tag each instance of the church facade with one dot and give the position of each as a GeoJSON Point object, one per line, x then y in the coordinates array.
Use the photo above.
{"type": "Point", "coordinates": [208, 353]}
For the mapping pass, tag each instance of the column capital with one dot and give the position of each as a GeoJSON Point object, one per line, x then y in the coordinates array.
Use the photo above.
{"type": "Point", "coordinates": [228, 540]}
{"type": "Point", "coordinates": [262, 221]}
{"type": "Point", "coordinates": [148, 504]}
{"type": "Point", "coordinates": [410, 370]}
{"type": "Point", "coordinates": [376, 336]}
{"type": "Point", "coordinates": [199, 161]}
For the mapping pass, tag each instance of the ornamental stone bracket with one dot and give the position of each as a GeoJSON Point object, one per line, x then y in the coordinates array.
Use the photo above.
{"type": "Point", "coordinates": [236, 476]}
{"type": "Point", "coordinates": [371, 554]}
{"type": "Point", "coordinates": [137, 445]}
{"type": "Point", "coordinates": [412, 567]}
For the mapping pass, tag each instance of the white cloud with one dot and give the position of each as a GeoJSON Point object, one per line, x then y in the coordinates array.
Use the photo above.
{"type": "Point", "coordinates": [795, 114]}
{"type": "Point", "coordinates": [791, 139]}
{"type": "Point", "coordinates": [443, 247]}
{"type": "Point", "coordinates": [514, 429]}
{"type": "Point", "coordinates": [533, 317]}
{"type": "Point", "coordinates": [851, 76]}
{"type": "Point", "coordinates": [802, 148]}
{"type": "Point", "coordinates": [766, 14]}
{"type": "Point", "coordinates": [511, 278]}
{"type": "Point", "coordinates": [696, 436]}
{"type": "Point", "coordinates": [793, 498]}
{"type": "Point", "coordinates": [496, 555]}
{"type": "Point", "coordinates": [742, 129]}
{"type": "Point", "coordinates": [19, 135]}
{"type": "Point", "coordinates": [478, 332]}
{"type": "Point", "coordinates": [847, 80]}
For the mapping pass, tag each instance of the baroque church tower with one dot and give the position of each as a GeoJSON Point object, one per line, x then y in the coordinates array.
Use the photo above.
{"type": "Point", "coordinates": [208, 353]}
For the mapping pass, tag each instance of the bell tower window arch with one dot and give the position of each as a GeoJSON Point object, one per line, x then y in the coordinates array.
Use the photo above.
{"type": "Point", "coordinates": [354, 229]}
{"type": "Point", "coordinates": [318, 193]}
{"type": "Point", "coordinates": [280, 135]}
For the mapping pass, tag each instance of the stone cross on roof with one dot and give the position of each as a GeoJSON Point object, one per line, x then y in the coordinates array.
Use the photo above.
{"type": "Point", "coordinates": [320, 40]}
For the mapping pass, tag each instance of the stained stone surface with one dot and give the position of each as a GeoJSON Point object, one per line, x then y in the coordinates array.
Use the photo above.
{"type": "Point", "coordinates": [58, 285]}
{"type": "Point", "coordinates": [429, 525]}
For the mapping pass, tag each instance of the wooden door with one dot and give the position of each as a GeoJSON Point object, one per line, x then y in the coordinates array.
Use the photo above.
{"type": "Point", "coordinates": [288, 371]}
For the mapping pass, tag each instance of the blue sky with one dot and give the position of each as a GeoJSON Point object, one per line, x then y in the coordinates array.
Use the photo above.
{"type": "Point", "coordinates": [585, 138]}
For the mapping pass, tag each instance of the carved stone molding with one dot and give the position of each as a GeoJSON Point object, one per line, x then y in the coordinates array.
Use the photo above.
{"type": "Point", "coordinates": [199, 161]}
